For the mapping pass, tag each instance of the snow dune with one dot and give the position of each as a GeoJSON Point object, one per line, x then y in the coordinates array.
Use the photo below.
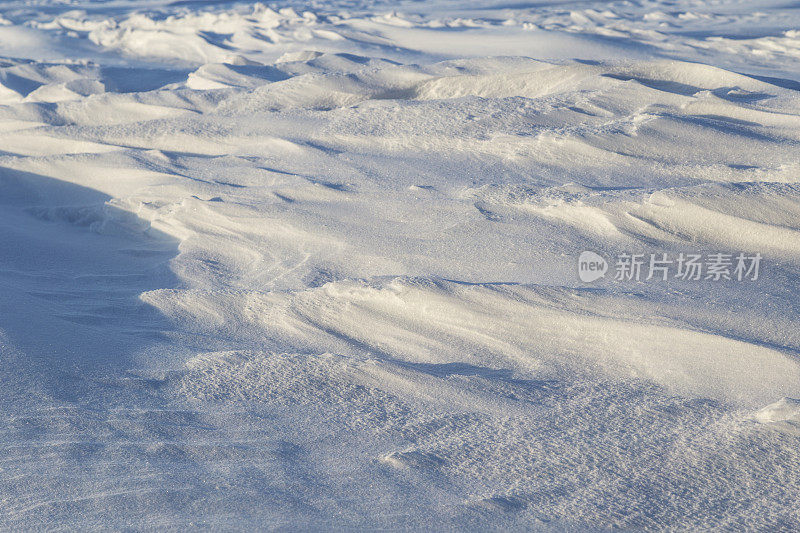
{"type": "Point", "coordinates": [313, 266]}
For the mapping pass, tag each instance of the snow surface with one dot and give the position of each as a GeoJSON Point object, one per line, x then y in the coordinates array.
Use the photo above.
{"type": "Point", "coordinates": [313, 265]}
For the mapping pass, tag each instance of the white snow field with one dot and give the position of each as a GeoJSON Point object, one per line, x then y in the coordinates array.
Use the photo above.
{"type": "Point", "coordinates": [313, 266]}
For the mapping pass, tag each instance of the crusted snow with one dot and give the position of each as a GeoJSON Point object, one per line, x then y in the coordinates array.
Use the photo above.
{"type": "Point", "coordinates": [312, 266]}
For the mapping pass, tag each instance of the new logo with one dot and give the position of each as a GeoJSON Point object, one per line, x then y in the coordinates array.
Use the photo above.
{"type": "Point", "coordinates": [591, 266]}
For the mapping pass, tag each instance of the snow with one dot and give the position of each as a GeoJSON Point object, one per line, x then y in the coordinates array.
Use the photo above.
{"type": "Point", "coordinates": [313, 265]}
{"type": "Point", "coordinates": [783, 414]}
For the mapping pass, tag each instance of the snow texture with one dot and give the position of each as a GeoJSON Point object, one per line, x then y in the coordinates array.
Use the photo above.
{"type": "Point", "coordinates": [313, 265]}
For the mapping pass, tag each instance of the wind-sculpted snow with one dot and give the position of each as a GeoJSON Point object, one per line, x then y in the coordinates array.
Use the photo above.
{"type": "Point", "coordinates": [313, 266]}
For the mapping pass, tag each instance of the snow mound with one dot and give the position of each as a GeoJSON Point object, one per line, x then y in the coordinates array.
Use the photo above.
{"type": "Point", "coordinates": [783, 415]}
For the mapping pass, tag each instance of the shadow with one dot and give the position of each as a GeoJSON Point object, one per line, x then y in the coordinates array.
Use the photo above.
{"type": "Point", "coordinates": [446, 370]}
{"type": "Point", "coordinates": [684, 89]}
{"type": "Point", "coordinates": [725, 125]}
{"type": "Point", "coordinates": [784, 83]}
{"type": "Point", "coordinates": [666, 86]}
{"type": "Point", "coordinates": [72, 269]}
{"type": "Point", "coordinates": [130, 80]}
{"type": "Point", "coordinates": [262, 72]}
